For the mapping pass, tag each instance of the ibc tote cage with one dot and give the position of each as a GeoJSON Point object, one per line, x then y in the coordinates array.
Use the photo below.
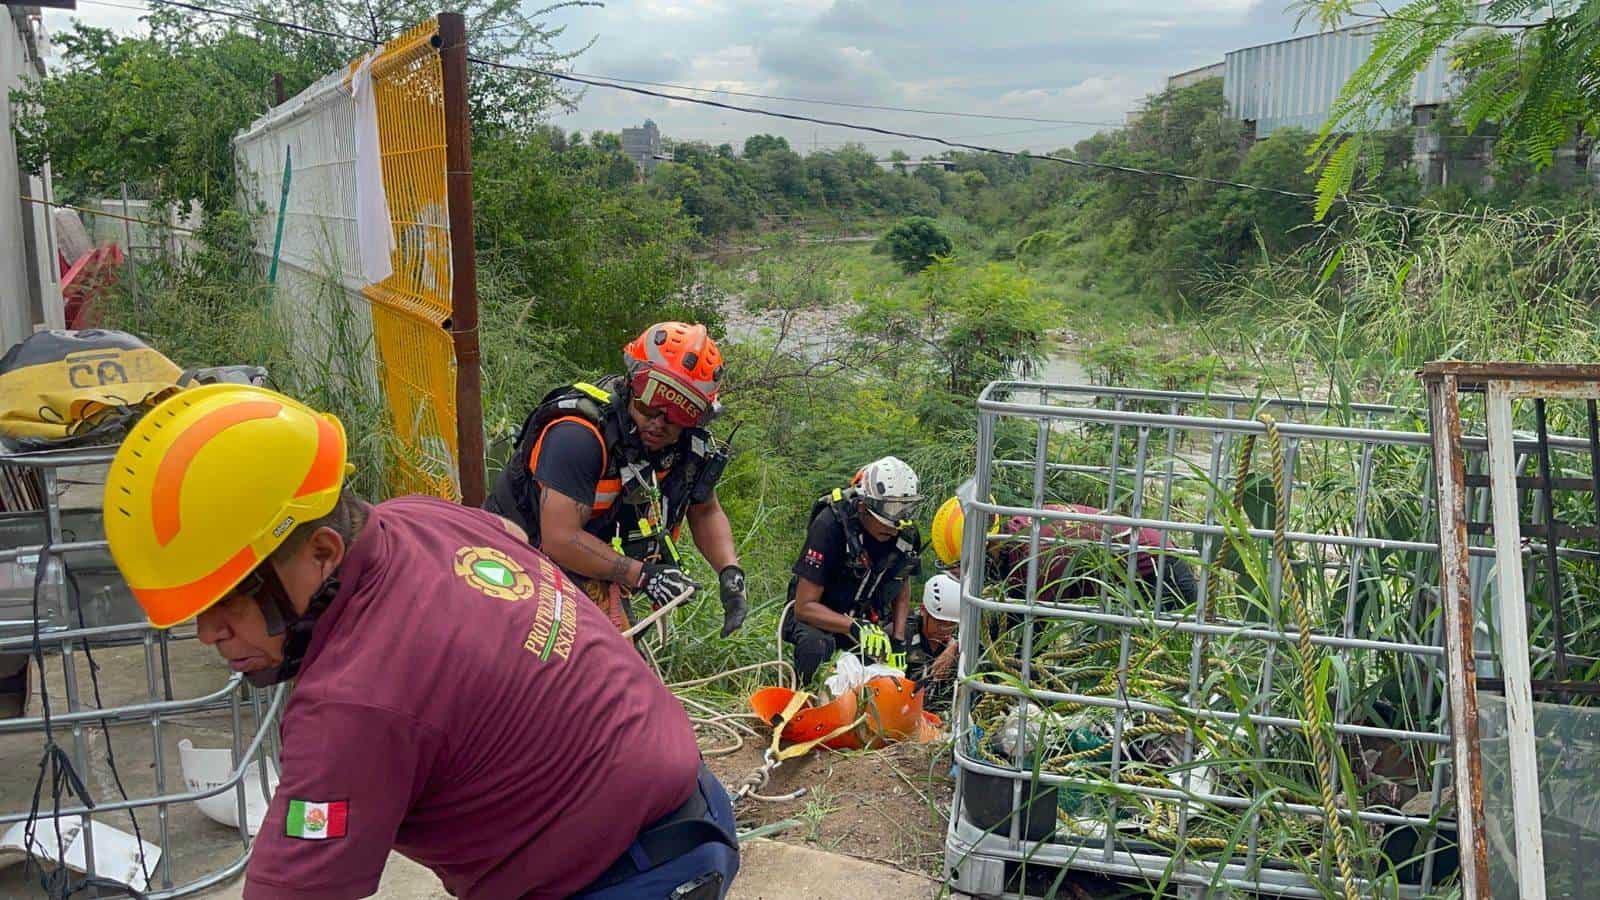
{"type": "Point", "coordinates": [1167, 740]}
{"type": "Point", "coordinates": [65, 549]}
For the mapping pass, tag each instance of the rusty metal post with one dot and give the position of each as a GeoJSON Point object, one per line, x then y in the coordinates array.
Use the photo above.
{"type": "Point", "coordinates": [463, 262]}
{"type": "Point", "coordinates": [1449, 466]}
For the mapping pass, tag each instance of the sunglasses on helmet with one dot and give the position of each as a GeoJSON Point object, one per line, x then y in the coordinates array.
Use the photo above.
{"type": "Point", "coordinates": [657, 395]}
{"type": "Point", "coordinates": [893, 511]}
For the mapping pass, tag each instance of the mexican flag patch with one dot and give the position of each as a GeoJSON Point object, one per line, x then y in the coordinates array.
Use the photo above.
{"type": "Point", "coordinates": [316, 821]}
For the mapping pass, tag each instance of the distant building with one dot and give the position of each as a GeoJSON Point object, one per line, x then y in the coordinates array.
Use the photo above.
{"type": "Point", "coordinates": [642, 145]}
{"type": "Point", "coordinates": [1294, 83]}
{"type": "Point", "coordinates": [1195, 76]}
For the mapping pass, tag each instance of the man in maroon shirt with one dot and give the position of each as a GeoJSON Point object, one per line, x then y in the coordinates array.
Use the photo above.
{"type": "Point", "coordinates": [1076, 558]}
{"type": "Point", "coordinates": [457, 700]}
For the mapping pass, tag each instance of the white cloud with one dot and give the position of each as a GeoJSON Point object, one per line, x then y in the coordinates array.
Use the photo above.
{"type": "Point", "coordinates": [1092, 97]}
{"type": "Point", "coordinates": [730, 66]}
{"type": "Point", "coordinates": [1067, 59]}
{"type": "Point", "coordinates": [680, 9]}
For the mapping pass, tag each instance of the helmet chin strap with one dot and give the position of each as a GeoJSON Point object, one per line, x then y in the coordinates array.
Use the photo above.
{"type": "Point", "coordinates": [281, 618]}
{"type": "Point", "coordinates": [630, 429]}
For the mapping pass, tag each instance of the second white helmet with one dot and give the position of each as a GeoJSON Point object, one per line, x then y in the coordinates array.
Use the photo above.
{"type": "Point", "coordinates": [889, 488]}
{"type": "Point", "coordinates": [941, 597]}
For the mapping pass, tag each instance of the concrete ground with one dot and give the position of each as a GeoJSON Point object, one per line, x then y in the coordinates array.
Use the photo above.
{"type": "Point", "coordinates": [768, 870]}
{"type": "Point", "coordinates": [197, 846]}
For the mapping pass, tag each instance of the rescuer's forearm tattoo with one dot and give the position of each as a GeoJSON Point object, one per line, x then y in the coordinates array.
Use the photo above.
{"type": "Point", "coordinates": [619, 570]}
{"type": "Point", "coordinates": [607, 564]}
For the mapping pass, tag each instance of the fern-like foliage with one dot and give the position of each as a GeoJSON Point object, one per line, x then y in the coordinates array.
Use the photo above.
{"type": "Point", "coordinates": [1529, 67]}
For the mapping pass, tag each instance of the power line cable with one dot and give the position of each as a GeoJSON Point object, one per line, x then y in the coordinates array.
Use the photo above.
{"type": "Point", "coordinates": [844, 143]}
{"type": "Point", "coordinates": [107, 214]}
{"type": "Point", "coordinates": [1014, 154]}
{"type": "Point", "coordinates": [952, 143]}
{"type": "Point", "coordinates": [959, 137]}
{"type": "Point", "coordinates": [734, 93]}
{"type": "Point", "coordinates": [842, 103]}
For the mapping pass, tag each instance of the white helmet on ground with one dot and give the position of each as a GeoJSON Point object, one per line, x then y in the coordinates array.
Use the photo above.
{"type": "Point", "coordinates": [941, 597]}
{"type": "Point", "coordinates": [889, 489]}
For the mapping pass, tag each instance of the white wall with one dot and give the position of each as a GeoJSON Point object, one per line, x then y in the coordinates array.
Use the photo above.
{"type": "Point", "coordinates": [24, 301]}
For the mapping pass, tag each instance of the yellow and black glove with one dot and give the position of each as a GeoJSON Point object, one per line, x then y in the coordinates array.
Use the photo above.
{"type": "Point", "coordinates": [871, 641]}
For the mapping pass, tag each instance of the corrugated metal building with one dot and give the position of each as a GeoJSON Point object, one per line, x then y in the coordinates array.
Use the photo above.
{"type": "Point", "coordinates": [1294, 83]}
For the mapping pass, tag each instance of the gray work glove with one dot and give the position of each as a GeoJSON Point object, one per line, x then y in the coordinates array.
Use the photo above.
{"type": "Point", "coordinates": [664, 583]}
{"type": "Point", "coordinates": [734, 602]}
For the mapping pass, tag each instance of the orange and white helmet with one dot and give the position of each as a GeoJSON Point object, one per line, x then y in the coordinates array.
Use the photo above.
{"type": "Point", "coordinates": [209, 483]}
{"type": "Point", "coordinates": [675, 367]}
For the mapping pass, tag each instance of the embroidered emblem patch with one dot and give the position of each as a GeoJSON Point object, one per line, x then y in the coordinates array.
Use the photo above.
{"type": "Point", "coordinates": [493, 573]}
{"type": "Point", "coordinates": [311, 821]}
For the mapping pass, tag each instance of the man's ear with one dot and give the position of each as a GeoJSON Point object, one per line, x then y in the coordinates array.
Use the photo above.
{"type": "Point", "coordinates": [327, 548]}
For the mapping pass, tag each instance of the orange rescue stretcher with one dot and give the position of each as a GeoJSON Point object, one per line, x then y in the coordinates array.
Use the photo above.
{"type": "Point", "coordinates": [887, 708]}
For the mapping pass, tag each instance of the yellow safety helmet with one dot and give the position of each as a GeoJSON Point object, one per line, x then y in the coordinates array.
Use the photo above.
{"type": "Point", "coordinates": [209, 483]}
{"type": "Point", "coordinates": [948, 522]}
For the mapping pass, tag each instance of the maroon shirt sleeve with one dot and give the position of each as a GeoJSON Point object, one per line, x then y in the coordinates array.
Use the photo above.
{"type": "Point", "coordinates": [375, 761]}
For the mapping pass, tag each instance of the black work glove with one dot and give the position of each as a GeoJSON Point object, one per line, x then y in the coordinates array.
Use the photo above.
{"type": "Point", "coordinates": [664, 583]}
{"type": "Point", "coordinates": [734, 605]}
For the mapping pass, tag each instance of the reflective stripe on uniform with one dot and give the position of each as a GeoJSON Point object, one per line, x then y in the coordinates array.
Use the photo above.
{"type": "Point", "coordinates": [606, 490]}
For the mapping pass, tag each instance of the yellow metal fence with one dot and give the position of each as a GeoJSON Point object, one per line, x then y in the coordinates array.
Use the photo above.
{"type": "Point", "coordinates": [410, 358]}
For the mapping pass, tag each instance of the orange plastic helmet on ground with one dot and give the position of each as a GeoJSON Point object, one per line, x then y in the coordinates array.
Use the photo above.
{"type": "Point", "coordinates": [209, 483]}
{"type": "Point", "coordinates": [888, 706]}
{"type": "Point", "coordinates": [675, 367]}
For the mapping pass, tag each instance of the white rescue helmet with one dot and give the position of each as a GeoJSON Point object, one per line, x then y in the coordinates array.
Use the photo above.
{"type": "Point", "coordinates": [941, 597]}
{"type": "Point", "coordinates": [889, 489]}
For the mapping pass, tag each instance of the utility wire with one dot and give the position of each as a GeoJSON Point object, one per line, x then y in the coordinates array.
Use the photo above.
{"type": "Point", "coordinates": [109, 215]}
{"type": "Point", "coordinates": [725, 91]}
{"type": "Point", "coordinates": [959, 137]}
{"type": "Point", "coordinates": [871, 106]}
{"type": "Point", "coordinates": [1014, 154]}
{"type": "Point", "coordinates": [952, 143]}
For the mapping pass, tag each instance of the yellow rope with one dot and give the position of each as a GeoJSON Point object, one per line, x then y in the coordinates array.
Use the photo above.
{"type": "Point", "coordinates": [1316, 724]}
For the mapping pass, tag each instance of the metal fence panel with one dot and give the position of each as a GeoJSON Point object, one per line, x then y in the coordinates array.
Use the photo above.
{"type": "Point", "coordinates": [391, 338]}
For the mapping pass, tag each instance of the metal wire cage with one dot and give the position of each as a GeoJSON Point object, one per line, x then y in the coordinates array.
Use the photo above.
{"type": "Point", "coordinates": [1115, 718]}
{"type": "Point", "coordinates": [111, 706]}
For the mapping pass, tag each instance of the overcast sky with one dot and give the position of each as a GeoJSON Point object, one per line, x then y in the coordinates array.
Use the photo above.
{"type": "Point", "coordinates": [1088, 60]}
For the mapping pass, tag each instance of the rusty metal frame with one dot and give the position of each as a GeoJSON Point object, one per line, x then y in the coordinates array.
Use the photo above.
{"type": "Point", "coordinates": [1502, 384]}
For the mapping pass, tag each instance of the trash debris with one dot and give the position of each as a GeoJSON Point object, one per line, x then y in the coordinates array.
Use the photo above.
{"type": "Point", "coordinates": [116, 853]}
{"type": "Point", "coordinates": [206, 769]}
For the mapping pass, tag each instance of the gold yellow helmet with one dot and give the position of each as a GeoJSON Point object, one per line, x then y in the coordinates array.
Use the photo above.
{"type": "Point", "coordinates": [209, 483]}
{"type": "Point", "coordinates": [948, 522]}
